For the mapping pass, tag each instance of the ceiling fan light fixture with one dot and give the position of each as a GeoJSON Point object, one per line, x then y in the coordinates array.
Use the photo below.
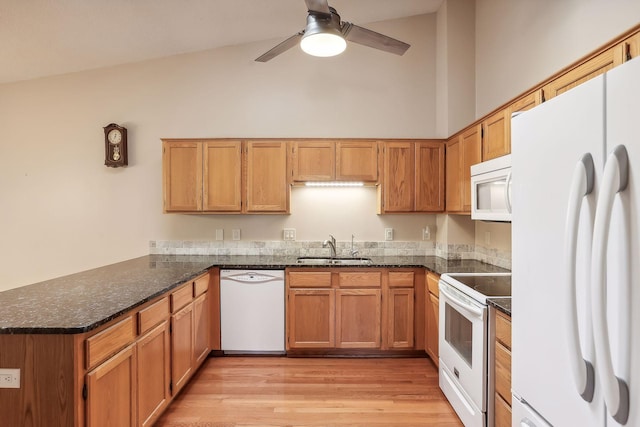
{"type": "Point", "coordinates": [323, 44]}
{"type": "Point", "coordinates": [322, 36]}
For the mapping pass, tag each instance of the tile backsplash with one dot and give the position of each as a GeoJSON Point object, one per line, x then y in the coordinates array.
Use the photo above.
{"type": "Point", "coordinates": [314, 248]}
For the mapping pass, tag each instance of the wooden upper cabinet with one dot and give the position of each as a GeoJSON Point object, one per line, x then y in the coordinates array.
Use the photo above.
{"type": "Point", "coordinates": [471, 154]}
{"type": "Point", "coordinates": [313, 161]}
{"type": "Point", "coordinates": [222, 176]}
{"type": "Point", "coordinates": [463, 151]}
{"type": "Point", "coordinates": [182, 176]}
{"type": "Point", "coordinates": [334, 161]}
{"type": "Point", "coordinates": [412, 177]}
{"type": "Point", "coordinates": [398, 185]}
{"type": "Point", "coordinates": [495, 139]}
{"type": "Point", "coordinates": [267, 184]}
{"type": "Point", "coordinates": [454, 175]}
{"type": "Point", "coordinates": [589, 69]}
{"type": "Point", "coordinates": [357, 161]}
{"type": "Point", "coordinates": [429, 181]}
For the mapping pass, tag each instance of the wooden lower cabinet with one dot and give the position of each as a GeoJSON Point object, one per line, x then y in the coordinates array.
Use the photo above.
{"type": "Point", "coordinates": [153, 373]}
{"type": "Point", "coordinates": [111, 391]}
{"type": "Point", "coordinates": [502, 368]}
{"type": "Point", "coordinates": [181, 347]}
{"type": "Point", "coordinates": [358, 317]}
{"type": "Point", "coordinates": [201, 346]}
{"type": "Point", "coordinates": [310, 318]}
{"type": "Point", "coordinates": [351, 309]}
{"type": "Point", "coordinates": [432, 313]}
{"type": "Point", "coordinates": [400, 328]}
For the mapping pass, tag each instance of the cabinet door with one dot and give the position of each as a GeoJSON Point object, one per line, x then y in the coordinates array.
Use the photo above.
{"type": "Point", "coordinates": [313, 160]}
{"type": "Point", "coordinates": [111, 391]}
{"type": "Point", "coordinates": [357, 161]}
{"type": "Point", "coordinates": [154, 363]}
{"type": "Point", "coordinates": [311, 318]}
{"type": "Point", "coordinates": [181, 347]}
{"type": "Point", "coordinates": [595, 66]}
{"type": "Point", "coordinates": [429, 172]}
{"type": "Point", "coordinates": [431, 317]}
{"type": "Point", "coordinates": [358, 317]}
{"type": "Point", "coordinates": [201, 334]}
{"type": "Point", "coordinates": [182, 176]}
{"type": "Point", "coordinates": [454, 175]}
{"type": "Point", "coordinates": [471, 154]}
{"type": "Point", "coordinates": [398, 182]}
{"type": "Point", "coordinates": [222, 176]}
{"type": "Point", "coordinates": [267, 184]}
{"type": "Point", "coordinates": [496, 142]}
{"type": "Point", "coordinates": [400, 309]}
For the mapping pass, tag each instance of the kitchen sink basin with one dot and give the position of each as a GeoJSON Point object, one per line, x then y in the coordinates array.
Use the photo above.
{"type": "Point", "coordinates": [333, 261]}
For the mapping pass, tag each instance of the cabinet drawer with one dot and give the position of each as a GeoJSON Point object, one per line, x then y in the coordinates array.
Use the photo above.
{"type": "Point", "coordinates": [310, 279]}
{"type": "Point", "coordinates": [200, 285]}
{"type": "Point", "coordinates": [152, 315]}
{"type": "Point", "coordinates": [432, 283]}
{"type": "Point", "coordinates": [503, 372]}
{"type": "Point", "coordinates": [181, 297]}
{"type": "Point", "coordinates": [502, 412]}
{"type": "Point", "coordinates": [356, 279]}
{"type": "Point", "coordinates": [503, 329]}
{"type": "Point", "coordinates": [103, 344]}
{"type": "Point", "coordinates": [401, 279]}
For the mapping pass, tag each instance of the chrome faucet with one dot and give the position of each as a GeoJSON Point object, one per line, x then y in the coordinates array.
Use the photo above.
{"type": "Point", "coordinates": [354, 252]}
{"type": "Point", "coordinates": [331, 242]}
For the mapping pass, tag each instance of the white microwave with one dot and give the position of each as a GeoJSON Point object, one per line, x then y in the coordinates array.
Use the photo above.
{"type": "Point", "coordinates": [491, 190]}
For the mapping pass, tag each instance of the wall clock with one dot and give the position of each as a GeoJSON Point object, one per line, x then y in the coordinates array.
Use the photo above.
{"type": "Point", "coordinates": [115, 146]}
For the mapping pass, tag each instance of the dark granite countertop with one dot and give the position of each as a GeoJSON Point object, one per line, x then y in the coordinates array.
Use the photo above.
{"type": "Point", "coordinates": [502, 304]}
{"type": "Point", "coordinates": [83, 301]}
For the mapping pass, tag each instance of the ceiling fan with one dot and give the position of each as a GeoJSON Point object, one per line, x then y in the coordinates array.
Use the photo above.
{"type": "Point", "coordinates": [326, 35]}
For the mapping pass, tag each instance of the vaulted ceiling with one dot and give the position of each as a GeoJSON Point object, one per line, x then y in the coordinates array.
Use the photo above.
{"type": "Point", "coordinates": [43, 37]}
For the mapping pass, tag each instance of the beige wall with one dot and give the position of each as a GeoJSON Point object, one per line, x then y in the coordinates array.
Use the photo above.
{"type": "Point", "coordinates": [63, 211]}
{"type": "Point", "coordinates": [519, 43]}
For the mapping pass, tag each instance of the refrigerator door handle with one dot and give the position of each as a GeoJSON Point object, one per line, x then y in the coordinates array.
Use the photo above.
{"type": "Point", "coordinates": [582, 184]}
{"type": "Point", "coordinates": [615, 179]}
{"type": "Point", "coordinates": [507, 192]}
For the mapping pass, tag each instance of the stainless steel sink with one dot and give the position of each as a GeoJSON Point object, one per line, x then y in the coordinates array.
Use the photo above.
{"type": "Point", "coordinates": [333, 261]}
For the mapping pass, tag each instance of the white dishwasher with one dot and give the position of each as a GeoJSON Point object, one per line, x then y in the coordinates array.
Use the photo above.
{"type": "Point", "coordinates": [252, 311]}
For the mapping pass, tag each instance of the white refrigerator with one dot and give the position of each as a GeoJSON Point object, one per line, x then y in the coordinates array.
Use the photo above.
{"type": "Point", "coordinates": [576, 256]}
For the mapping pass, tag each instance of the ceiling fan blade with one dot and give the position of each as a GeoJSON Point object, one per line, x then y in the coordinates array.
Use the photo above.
{"type": "Point", "coordinates": [321, 6]}
{"type": "Point", "coordinates": [369, 38]}
{"type": "Point", "coordinates": [281, 48]}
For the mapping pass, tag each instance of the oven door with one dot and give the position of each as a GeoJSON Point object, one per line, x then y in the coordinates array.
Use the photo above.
{"type": "Point", "coordinates": [463, 343]}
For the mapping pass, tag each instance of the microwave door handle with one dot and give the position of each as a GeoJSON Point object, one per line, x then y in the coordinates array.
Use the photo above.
{"type": "Point", "coordinates": [460, 304]}
{"type": "Point", "coordinates": [507, 192]}
{"type": "Point", "coordinates": [581, 186]}
{"type": "Point", "coordinates": [614, 180]}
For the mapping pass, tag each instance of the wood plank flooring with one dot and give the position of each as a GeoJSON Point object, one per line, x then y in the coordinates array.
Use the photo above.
{"type": "Point", "coordinates": [281, 391]}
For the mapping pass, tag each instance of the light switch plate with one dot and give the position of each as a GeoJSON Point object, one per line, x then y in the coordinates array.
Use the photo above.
{"type": "Point", "coordinates": [219, 234]}
{"type": "Point", "coordinates": [388, 234]}
{"type": "Point", "coordinates": [9, 378]}
{"type": "Point", "coordinates": [235, 234]}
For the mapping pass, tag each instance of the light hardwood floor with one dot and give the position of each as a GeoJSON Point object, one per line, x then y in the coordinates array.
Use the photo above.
{"type": "Point", "coordinates": [281, 391]}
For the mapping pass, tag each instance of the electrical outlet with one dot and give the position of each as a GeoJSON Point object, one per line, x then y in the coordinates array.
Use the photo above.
{"type": "Point", "coordinates": [289, 234]}
{"type": "Point", "coordinates": [235, 234]}
{"type": "Point", "coordinates": [388, 234]}
{"type": "Point", "coordinates": [426, 233]}
{"type": "Point", "coordinates": [9, 378]}
{"type": "Point", "coordinates": [219, 234]}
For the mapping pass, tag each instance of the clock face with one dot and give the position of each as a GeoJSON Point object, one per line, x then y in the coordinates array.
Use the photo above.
{"type": "Point", "coordinates": [114, 136]}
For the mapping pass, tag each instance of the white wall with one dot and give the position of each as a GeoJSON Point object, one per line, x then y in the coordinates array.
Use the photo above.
{"type": "Point", "coordinates": [63, 211]}
{"type": "Point", "coordinates": [519, 43]}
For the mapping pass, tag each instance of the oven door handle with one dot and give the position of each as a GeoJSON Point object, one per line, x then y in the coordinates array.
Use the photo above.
{"type": "Point", "coordinates": [461, 304]}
